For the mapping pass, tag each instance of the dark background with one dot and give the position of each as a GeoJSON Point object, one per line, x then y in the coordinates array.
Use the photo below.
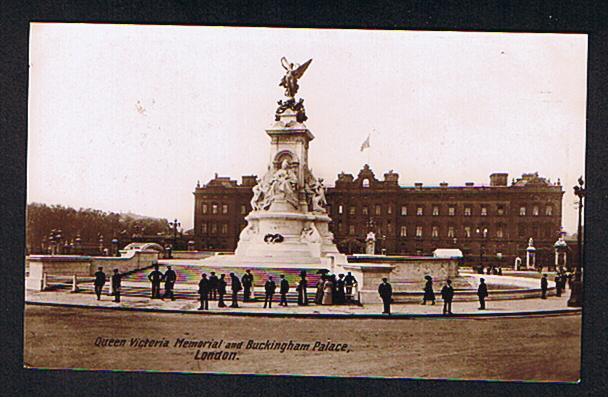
{"type": "Point", "coordinates": [505, 16]}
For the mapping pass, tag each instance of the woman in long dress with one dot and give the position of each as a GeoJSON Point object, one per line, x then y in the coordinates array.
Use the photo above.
{"type": "Point", "coordinates": [319, 293]}
{"type": "Point", "coordinates": [328, 291]}
{"type": "Point", "coordinates": [429, 294]}
{"type": "Point", "coordinates": [302, 296]}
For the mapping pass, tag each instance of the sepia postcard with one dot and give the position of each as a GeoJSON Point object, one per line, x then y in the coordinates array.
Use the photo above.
{"type": "Point", "coordinates": [306, 202]}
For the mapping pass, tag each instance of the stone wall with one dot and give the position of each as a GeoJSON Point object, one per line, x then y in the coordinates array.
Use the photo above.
{"type": "Point", "coordinates": [84, 266]}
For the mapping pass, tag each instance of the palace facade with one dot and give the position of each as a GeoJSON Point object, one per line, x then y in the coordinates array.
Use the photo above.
{"type": "Point", "coordinates": [488, 223]}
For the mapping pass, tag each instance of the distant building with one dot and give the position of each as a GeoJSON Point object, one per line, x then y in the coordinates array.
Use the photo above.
{"type": "Point", "coordinates": [489, 224]}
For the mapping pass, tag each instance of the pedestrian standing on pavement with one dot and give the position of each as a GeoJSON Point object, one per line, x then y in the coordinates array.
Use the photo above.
{"type": "Point", "coordinates": [447, 294]}
{"type": "Point", "coordinates": [235, 285]}
{"type": "Point", "coordinates": [100, 280]}
{"type": "Point", "coordinates": [269, 288]}
{"type": "Point", "coordinates": [170, 278]}
{"type": "Point", "coordinates": [340, 292]}
{"type": "Point", "coordinates": [284, 289]}
{"type": "Point", "coordinates": [429, 294]}
{"type": "Point", "coordinates": [558, 284]}
{"type": "Point", "coordinates": [116, 283]}
{"type": "Point", "coordinates": [319, 293]}
{"type": "Point", "coordinates": [302, 286]}
{"type": "Point", "coordinates": [482, 293]}
{"type": "Point", "coordinates": [156, 278]}
{"type": "Point", "coordinates": [203, 291]}
{"type": "Point", "coordinates": [247, 281]}
{"type": "Point", "coordinates": [328, 291]}
{"type": "Point", "coordinates": [213, 281]}
{"type": "Point", "coordinates": [221, 290]}
{"type": "Point", "coordinates": [349, 283]}
{"type": "Point", "coordinates": [543, 286]}
{"type": "Point", "coordinates": [385, 291]}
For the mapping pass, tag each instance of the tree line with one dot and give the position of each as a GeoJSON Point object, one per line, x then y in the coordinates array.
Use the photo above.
{"type": "Point", "coordinates": [88, 224]}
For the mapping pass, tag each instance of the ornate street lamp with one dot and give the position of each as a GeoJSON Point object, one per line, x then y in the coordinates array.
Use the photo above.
{"type": "Point", "coordinates": [174, 225]}
{"type": "Point", "coordinates": [576, 294]}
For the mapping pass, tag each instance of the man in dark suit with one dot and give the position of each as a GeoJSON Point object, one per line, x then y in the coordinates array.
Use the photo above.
{"type": "Point", "coordinates": [349, 283]}
{"type": "Point", "coordinates": [558, 284]}
{"type": "Point", "coordinates": [284, 289]}
{"type": "Point", "coordinates": [100, 280]}
{"type": "Point", "coordinates": [156, 278]}
{"type": "Point", "coordinates": [116, 284]}
{"type": "Point", "coordinates": [203, 291]}
{"type": "Point", "coordinates": [221, 290]}
{"type": "Point", "coordinates": [385, 290]}
{"type": "Point", "coordinates": [247, 285]}
{"type": "Point", "coordinates": [170, 278]}
{"type": "Point", "coordinates": [213, 281]}
{"type": "Point", "coordinates": [447, 294]}
{"type": "Point", "coordinates": [482, 293]}
{"type": "Point", "coordinates": [235, 285]}
{"type": "Point", "coordinates": [544, 286]}
{"type": "Point", "coordinates": [269, 288]}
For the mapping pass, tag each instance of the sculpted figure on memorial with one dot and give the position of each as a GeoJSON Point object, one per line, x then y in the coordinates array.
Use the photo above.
{"type": "Point", "coordinates": [258, 195]}
{"type": "Point", "coordinates": [292, 74]}
{"type": "Point", "coordinates": [318, 197]}
{"type": "Point", "coordinates": [283, 186]}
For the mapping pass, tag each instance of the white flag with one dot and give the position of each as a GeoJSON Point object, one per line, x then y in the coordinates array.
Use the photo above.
{"type": "Point", "coordinates": [365, 145]}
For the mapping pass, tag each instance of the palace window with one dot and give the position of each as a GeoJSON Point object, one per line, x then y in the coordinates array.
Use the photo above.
{"type": "Point", "coordinates": [389, 228]}
{"type": "Point", "coordinates": [435, 210]}
{"type": "Point", "coordinates": [419, 210]}
{"type": "Point", "coordinates": [340, 227]}
{"type": "Point", "coordinates": [418, 231]}
{"type": "Point", "coordinates": [352, 210]}
{"type": "Point", "coordinates": [214, 209]}
{"type": "Point", "coordinates": [378, 209]}
{"type": "Point", "coordinates": [521, 230]}
{"type": "Point", "coordinates": [500, 210]}
{"type": "Point", "coordinates": [365, 183]}
{"type": "Point", "coordinates": [403, 210]}
{"type": "Point", "coordinates": [403, 232]}
{"type": "Point", "coordinates": [499, 233]}
{"type": "Point", "coordinates": [467, 211]}
{"type": "Point", "coordinates": [549, 210]}
{"type": "Point", "coordinates": [389, 209]}
{"type": "Point", "coordinates": [204, 228]}
{"type": "Point", "coordinates": [535, 211]}
{"type": "Point", "coordinates": [351, 229]}
{"type": "Point", "coordinates": [224, 208]}
{"type": "Point", "coordinates": [224, 229]}
{"type": "Point", "coordinates": [450, 231]}
{"type": "Point", "coordinates": [467, 231]}
{"type": "Point", "coordinates": [365, 210]}
{"type": "Point", "coordinates": [204, 207]}
{"type": "Point", "coordinates": [451, 211]}
{"type": "Point", "coordinates": [484, 211]}
{"type": "Point", "coordinates": [522, 211]}
{"type": "Point", "coordinates": [213, 228]}
{"type": "Point", "coordinates": [435, 232]}
{"type": "Point", "coordinates": [340, 209]}
{"type": "Point", "coordinates": [243, 209]}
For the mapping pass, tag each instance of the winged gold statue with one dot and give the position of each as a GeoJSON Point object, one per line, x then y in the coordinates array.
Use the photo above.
{"type": "Point", "coordinates": [294, 72]}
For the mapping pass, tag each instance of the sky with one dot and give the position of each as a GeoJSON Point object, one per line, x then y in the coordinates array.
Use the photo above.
{"type": "Point", "coordinates": [128, 118]}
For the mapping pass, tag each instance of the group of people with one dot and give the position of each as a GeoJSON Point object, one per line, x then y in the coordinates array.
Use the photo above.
{"type": "Point", "coordinates": [329, 289]}
{"type": "Point", "coordinates": [385, 291]}
{"type": "Point", "coordinates": [100, 281]}
{"type": "Point", "coordinates": [562, 278]}
{"type": "Point", "coordinates": [332, 290]}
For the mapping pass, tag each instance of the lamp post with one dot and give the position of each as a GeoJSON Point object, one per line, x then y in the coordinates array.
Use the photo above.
{"type": "Point", "coordinates": [174, 225]}
{"type": "Point", "coordinates": [483, 233]}
{"type": "Point", "coordinates": [576, 294]}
